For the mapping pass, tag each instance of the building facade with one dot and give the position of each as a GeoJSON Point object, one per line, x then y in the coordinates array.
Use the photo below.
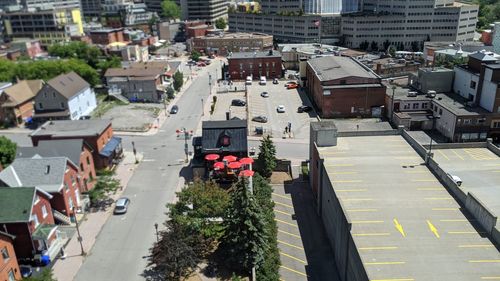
{"type": "Point", "coordinates": [106, 36]}
{"type": "Point", "coordinates": [255, 64]}
{"type": "Point", "coordinates": [331, 6]}
{"type": "Point", "coordinates": [16, 102]}
{"type": "Point", "coordinates": [232, 42]}
{"type": "Point", "coordinates": [204, 10]}
{"type": "Point", "coordinates": [9, 269]}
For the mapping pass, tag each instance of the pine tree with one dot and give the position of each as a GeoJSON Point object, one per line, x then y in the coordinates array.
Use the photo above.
{"type": "Point", "coordinates": [267, 157]}
{"type": "Point", "coordinates": [244, 242]}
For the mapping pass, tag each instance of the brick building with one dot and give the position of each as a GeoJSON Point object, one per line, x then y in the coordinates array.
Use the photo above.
{"type": "Point", "coordinates": [106, 36]}
{"type": "Point", "coordinates": [98, 134]}
{"type": "Point", "coordinates": [16, 102]}
{"type": "Point", "coordinates": [225, 43]}
{"type": "Point", "coordinates": [256, 64]}
{"type": "Point", "coordinates": [9, 269]}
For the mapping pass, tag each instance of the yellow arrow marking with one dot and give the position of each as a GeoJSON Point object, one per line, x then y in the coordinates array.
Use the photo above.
{"type": "Point", "coordinates": [433, 228]}
{"type": "Point", "coordinates": [399, 227]}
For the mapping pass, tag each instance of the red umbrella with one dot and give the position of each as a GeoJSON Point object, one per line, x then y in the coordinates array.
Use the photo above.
{"type": "Point", "coordinates": [246, 160]}
{"type": "Point", "coordinates": [230, 158]}
{"type": "Point", "coordinates": [211, 157]}
{"type": "Point", "coordinates": [219, 165]}
{"type": "Point", "coordinates": [246, 173]}
{"type": "Point", "coordinates": [234, 165]}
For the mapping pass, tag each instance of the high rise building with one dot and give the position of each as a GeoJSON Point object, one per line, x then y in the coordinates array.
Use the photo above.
{"type": "Point", "coordinates": [205, 10]}
{"type": "Point", "coordinates": [330, 6]}
{"type": "Point", "coordinates": [7, 5]}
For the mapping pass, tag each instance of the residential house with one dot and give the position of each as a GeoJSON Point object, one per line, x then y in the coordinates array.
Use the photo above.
{"type": "Point", "coordinates": [96, 133]}
{"type": "Point", "coordinates": [106, 36]}
{"type": "Point", "coordinates": [344, 87]}
{"type": "Point", "coordinates": [17, 102]}
{"type": "Point", "coordinates": [76, 150]}
{"type": "Point", "coordinates": [9, 269]}
{"type": "Point", "coordinates": [142, 81]}
{"type": "Point", "coordinates": [26, 213]}
{"type": "Point", "coordinates": [57, 176]}
{"type": "Point", "coordinates": [66, 96]}
{"type": "Point", "coordinates": [255, 64]}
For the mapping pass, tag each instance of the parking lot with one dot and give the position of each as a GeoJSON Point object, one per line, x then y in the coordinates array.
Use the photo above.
{"type": "Point", "coordinates": [279, 95]}
{"type": "Point", "coordinates": [479, 170]}
{"type": "Point", "coordinates": [223, 105]}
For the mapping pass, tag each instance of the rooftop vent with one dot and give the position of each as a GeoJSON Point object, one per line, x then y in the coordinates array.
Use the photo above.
{"type": "Point", "coordinates": [47, 169]}
{"type": "Point", "coordinates": [412, 94]}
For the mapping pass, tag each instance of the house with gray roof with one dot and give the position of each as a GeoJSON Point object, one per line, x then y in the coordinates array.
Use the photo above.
{"type": "Point", "coordinates": [65, 97]}
{"type": "Point", "coordinates": [26, 213]}
{"type": "Point", "coordinates": [57, 176]}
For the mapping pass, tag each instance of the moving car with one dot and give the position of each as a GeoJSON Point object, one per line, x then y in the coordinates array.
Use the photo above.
{"type": "Point", "coordinates": [275, 81]}
{"type": "Point", "coordinates": [292, 86]}
{"type": "Point", "coordinates": [121, 206]}
{"type": "Point", "coordinates": [238, 103]}
{"type": "Point", "coordinates": [260, 119]}
{"type": "Point", "coordinates": [264, 94]}
{"type": "Point", "coordinates": [174, 109]}
{"type": "Point", "coordinates": [456, 179]}
{"type": "Point", "coordinates": [304, 108]}
{"type": "Point", "coordinates": [280, 109]}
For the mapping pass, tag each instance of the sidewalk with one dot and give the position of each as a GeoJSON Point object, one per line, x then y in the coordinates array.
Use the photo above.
{"type": "Point", "coordinates": [66, 269]}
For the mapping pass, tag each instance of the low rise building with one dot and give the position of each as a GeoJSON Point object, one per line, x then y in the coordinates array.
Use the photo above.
{"type": "Point", "coordinates": [255, 65]}
{"type": "Point", "coordinates": [344, 87]}
{"type": "Point", "coordinates": [292, 54]}
{"type": "Point", "coordinates": [197, 29]}
{"type": "Point", "coordinates": [16, 102]}
{"type": "Point", "coordinates": [106, 36]}
{"type": "Point", "coordinates": [225, 43]}
{"type": "Point", "coordinates": [431, 49]}
{"type": "Point", "coordinates": [10, 269]}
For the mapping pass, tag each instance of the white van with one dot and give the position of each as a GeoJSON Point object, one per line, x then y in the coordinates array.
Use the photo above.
{"type": "Point", "coordinates": [249, 80]}
{"type": "Point", "coordinates": [263, 80]}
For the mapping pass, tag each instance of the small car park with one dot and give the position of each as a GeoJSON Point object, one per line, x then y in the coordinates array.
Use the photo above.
{"type": "Point", "coordinates": [174, 109]}
{"type": "Point", "coordinates": [238, 102]}
{"type": "Point", "coordinates": [304, 108]}
{"type": "Point", "coordinates": [280, 109]}
{"type": "Point", "coordinates": [264, 94]}
{"type": "Point", "coordinates": [260, 119]}
{"type": "Point", "coordinates": [121, 206]}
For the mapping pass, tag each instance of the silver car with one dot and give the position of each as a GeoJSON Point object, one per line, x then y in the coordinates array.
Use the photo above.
{"type": "Point", "coordinates": [121, 206]}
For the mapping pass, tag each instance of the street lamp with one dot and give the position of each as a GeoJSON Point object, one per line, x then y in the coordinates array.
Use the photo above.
{"type": "Point", "coordinates": [434, 118]}
{"type": "Point", "coordinates": [80, 239]}
{"type": "Point", "coordinates": [135, 152]}
{"type": "Point", "coordinates": [210, 83]}
{"type": "Point", "coordinates": [202, 108]}
{"type": "Point", "coordinates": [393, 87]}
{"type": "Point", "coordinates": [156, 228]}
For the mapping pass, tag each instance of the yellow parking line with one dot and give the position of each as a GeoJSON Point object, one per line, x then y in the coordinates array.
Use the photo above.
{"type": "Point", "coordinates": [458, 155]}
{"type": "Point", "coordinates": [484, 261]}
{"type": "Point", "coordinates": [293, 270]}
{"type": "Point", "coordinates": [416, 172]}
{"type": "Point", "coordinates": [377, 248]}
{"type": "Point", "coordinates": [455, 220]}
{"type": "Point", "coordinates": [397, 279]}
{"type": "Point", "coordinates": [294, 225]}
{"type": "Point", "coordinates": [363, 222]}
{"type": "Point", "coordinates": [490, 278]}
{"type": "Point", "coordinates": [362, 210]}
{"type": "Point", "coordinates": [340, 165]}
{"type": "Point", "coordinates": [384, 263]}
{"type": "Point", "coordinates": [357, 199]}
{"type": "Point", "coordinates": [444, 155]}
{"type": "Point", "coordinates": [424, 180]}
{"type": "Point", "coordinates": [289, 234]}
{"type": "Point", "coordinates": [290, 245]}
{"type": "Point", "coordinates": [477, 246]}
{"type": "Point", "coordinates": [371, 234]}
{"type": "Point", "coordinates": [407, 157]}
{"type": "Point", "coordinates": [496, 171]}
{"type": "Point", "coordinates": [445, 209]}
{"type": "Point", "coordinates": [293, 258]}
{"type": "Point", "coordinates": [284, 213]}
{"type": "Point", "coordinates": [346, 181]}
{"type": "Point", "coordinates": [490, 165]}
{"type": "Point", "coordinates": [350, 190]}
{"type": "Point", "coordinates": [430, 188]}
{"type": "Point", "coordinates": [282, 196]}
{"type": "Point", "coordinates": [399, 227]}
{"type": "Point", "coordinates": [438, 198]}
{"type": "Point", "coordinates": [464, 232]}
{"type": "Point", "coordinates": [283, 204]}
{"type": "Point", "coordinates": [343, 173]}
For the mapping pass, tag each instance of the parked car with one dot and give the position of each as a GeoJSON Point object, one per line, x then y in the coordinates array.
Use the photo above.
{"type": "Point", "coordinates": [121, 206]}
{"type": "Point", "coordinates": [292, 86]}
{"type": "Point", "coordinates": [264, 94]}
{"type": "Point", "coordinates": [174, 109]}
{"type": "Point", "coordinates": [304, 108]}
{"type": "Point", "coordinates": [201, 64]}
{"type": "Point", "coordinates": [275, 81]}
{"type": "Point", "coordinates": [85, 117]}
{"type": "Point", "coordinates": [26, 270]}
{"type": "Point", "coordinates": [238, 103]}
{"type": "Point", "coordinates": [455, 179]}
{"type": "Point", "coordinates": [262, 80]}
{"type": "Point", "coordinates": [290, 83]}
{"type": "Point", "coordinates": [260, 119]}
{"type": "Point", "coordinates": [248, 81]}
{"type": "Point", "coordinates": [280, 109]}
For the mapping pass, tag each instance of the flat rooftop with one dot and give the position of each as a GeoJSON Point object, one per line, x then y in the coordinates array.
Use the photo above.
{"type": "Point", "coordinates": [405, 224]}
{"type": "Point", "coordinates": [478, 168]}
{"type": "Point", "coordinates": [71, 128]}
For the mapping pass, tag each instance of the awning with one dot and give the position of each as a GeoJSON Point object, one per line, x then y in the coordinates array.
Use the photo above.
{"type": "Point", "coordinates": [110, 147]}
{"type": "Point", "coordinates": [44, 231]}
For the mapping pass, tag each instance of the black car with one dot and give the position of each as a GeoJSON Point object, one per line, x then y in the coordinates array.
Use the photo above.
{"type": "Point", "coordinates": [238, 103]}
{"type": "Point", "coordinates": [304, 108]}
{"type": "Point", "coordinates": [174, 109]}
{"type": "Point", "coordinates": [275, 81]}
{"type": "Point", "coordinates": [260, 119]}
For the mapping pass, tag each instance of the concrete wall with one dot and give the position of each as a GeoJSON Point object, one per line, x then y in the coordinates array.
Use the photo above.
{"type": "Point", "coordinates": [416, 145]}
{"type": "Point", "coordinates": [368, 133]}
{"type": "Point", "coordinates": [493, 148]}
{"type": "Point", "coordinates": [483, 215]}
{"type": "Point", "coordinates": [457, 145]}
{"type": "Point", "coordinates": [446, 181]}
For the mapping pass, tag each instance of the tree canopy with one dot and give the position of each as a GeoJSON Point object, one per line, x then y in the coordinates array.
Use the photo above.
{"type": "Point", "coordinates": [7, 151]}
{"type": "Point", "coordinates": [220, 23]}
{"type": "Point", "coordinates": [178, 80]}
{"type": "Point", "coordinates": [77, 49]}
{"type": "Point", "coordinates": [195, 55]}
{"type": "Point", "coordinates": [489, 12]}
{"type": "Point", "coordinates": [267, 157]}
{"type": "Point", "coordinates": [170, 9]}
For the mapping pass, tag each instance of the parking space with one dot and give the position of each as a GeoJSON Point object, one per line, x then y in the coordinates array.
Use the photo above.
{"type": "Point", "coordinates": [405, 224]}
{"type": "Point", "coordinates": [267, 106]}
{"type": "Point", "coordinates": [223, 105]}
{"type": "Point", "coordinates": [479, 170]}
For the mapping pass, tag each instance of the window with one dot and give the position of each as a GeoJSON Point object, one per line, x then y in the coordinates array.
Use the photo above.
{"type": "Point", "coordinates": [5, 253]}
{"type": "Point", "coordinates": [88, 160]}
{"type": "Point", "coordinates": [424, 105]}
{"type": "Point", "coordinates": [406, 106]}
{"type": "Point", "coordinates": [415, 106]}
{"type": "Point", "coordinates": [440, 111]}
{"type": "Point", "coordinates": [472, 84]}
{"type": "Point", "coordinates": [44, 211]}
{"type": "Point", "coordinates": [327, 92]}
{"type": "Point", "coordinates": [34, 218]}
{"type": "Point", "coordinates": [481, 120]}
{"type": "Point", "coordinates": [53, 95]}
{"type": "Point", "coordinates": [62, 105]}
{"type": "Point", "coordinates": [343, 82]}
{"type": "Point", "coordinates": [40, 105]}
{"type": "Point", "coordinates": [467, 121]}
{"type": "Point", "coordinates": [12, 277]}
{"type": "Point", "coordinates": [495, 124]}
{"type": "Point", "coordinates": [483, 136]}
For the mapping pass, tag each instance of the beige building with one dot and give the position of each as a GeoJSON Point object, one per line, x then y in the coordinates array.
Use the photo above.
{"type": "Point", "coordinates": [225, 43]}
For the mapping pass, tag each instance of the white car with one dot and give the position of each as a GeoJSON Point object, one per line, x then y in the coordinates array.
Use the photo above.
{"type": "Point", "coordinates": [280, 109]}
{"type": "Point", "coordinates": [456, 179]}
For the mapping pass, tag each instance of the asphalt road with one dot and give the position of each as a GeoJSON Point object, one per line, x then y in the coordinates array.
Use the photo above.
{"type": "Point", "coordinates": [122, 247]}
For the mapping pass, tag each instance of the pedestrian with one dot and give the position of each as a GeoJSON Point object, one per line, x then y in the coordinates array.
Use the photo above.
{"type": "Point", "coordinates": [357, 127]}
{"type": "Point", "coordinates": [286, 129]}
{"type": "Point", "coordinates": [289, 126]}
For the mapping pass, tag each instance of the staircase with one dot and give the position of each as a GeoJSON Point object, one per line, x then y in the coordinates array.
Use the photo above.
{"type": "Point", "coordinates": [61, 217]}
{"type": "Point", "coordinates": [117, 94]}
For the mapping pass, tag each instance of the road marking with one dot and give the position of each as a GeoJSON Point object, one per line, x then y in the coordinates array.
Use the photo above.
{"type": "Point", "coordinates": [339, 165]}
{"type": "Point", "coordinates": [465, 232]}
{"type": "Point", "coordinates": [343, 173]}
{"type": "Point", "coordinates": [371, 234]}
{"type": "Point", "coordinates": [293, 258]}
{"type": "Point", "coordinates": [432, 228]}
{"type": "Point", "coordinates": [458, 155]}
{"type": "Point", "coordinates": [346, 181]}
{"type": "Point", "coordinates": [416, 172]}
{"type": "Point", "coordinates": [294, 225]}
{"type": "Point", "coordinates": [484, 261]}
{"type": "Point", "coordinates": [384, 263]}
{"type": "Point", "coordinates": [350, 190]}
{"type": "Point", "coordinates": [430, 188]}
{"type": "Point", "coordinates": [399, 227]}
{"type": "Point", "coordinates": [490, 165]}
{"type": "Point", "coordinates": [362, 210]}
{"type": "Point", "coordinates": [444, 155]}
{"type": "Point", "coordinates": [397, 279]}
{"type": "Point", "coordinates": [377, 248]}
{"type": "Point", "coordinates": [289, 234]}
{"type": "Point", "coordinates": [284, 213]}
{"type": "Point", "coordinates": [283, 204]}
{"type": "Point", "coordinates": [477, 246]}
{"type": "Point", "coordinates": [438, 198]}
{"type": "Point", "coordinates": [407, 157]}
{"type": "Point", "coordinates": [424, 180]}
{"type": "Point", "coordinates": [293, 270]}
{"type": "Point", "coordinates": [456, 220]}
{"type": "Point", "coordinates": [356, 199]}
{"type": "Point", "coordinates": [363, 222]}
{"type": "Point", "coordinates": [290, 245]}
{"type": "Point", "coordinates": [282, 196]}
{"type": "Point", "coordinates": [490, 278]}
{"type": "Point", "coordinates": [445, 209]}
{"type": "Point", "coordinates": [148, 160]}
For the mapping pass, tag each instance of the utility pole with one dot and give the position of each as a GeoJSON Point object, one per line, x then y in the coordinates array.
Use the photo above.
{"type": "Point", "coordinates": [135, 152]}
{"type": "Point", "coordinates": [186, 148]}
{"type": "Point", "coordinates": [202, 108]}
{"type": "Point", "coordinates": [210, 82]}
{"type": "Point", "coordinates": [80, 239]}
{"type": "Point", "coordinates": [156, 228]}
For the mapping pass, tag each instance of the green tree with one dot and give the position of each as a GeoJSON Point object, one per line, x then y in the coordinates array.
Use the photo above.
{"type": "Point", "coordinates": [7, 151]}
{"type": "Point", "coordinates": [170, 10]}
{"type": "Point", "coordinates": [374, 46]}
{"type": "Point", "coordinates": [46, 275]}
{"type": "Point", "coordinates": [170, 93]}
{"type": "Point", "coordinates": [267, 157]}
{"type": "Point", "coordinates": [392, 51]}
{"type": "Point", "coordinates": [177, 253]}
{"type": "Point", "coordinates": [364, 45]}
{"type": "Point", "coordinates": [220, 23]}
{"type": "Point", "coordinates": [386, 45]}
{"type": "Point", "coordinates": [104, 187]}
{"type": "Point", "coordinates": [109, 62]}
{"type": "Point", "coordinates": [195, 55]}
{"type": "Point", "coordinates": [244, 241]}
{"type": "Point", "coordinates": [415, 46]}
{"type": "Point", "coordinates": [7, 70]}
{"type": "Point", "coordinates": [178, 80]}
{"type": "Point", "coordinates": [76, 49]}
